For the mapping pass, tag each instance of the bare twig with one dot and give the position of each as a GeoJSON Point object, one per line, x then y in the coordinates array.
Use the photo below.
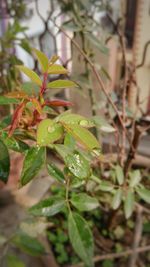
{"type": "Point", "coordinates": [137, 237]}
{"type": "Point", "coordinates": [116, 255]}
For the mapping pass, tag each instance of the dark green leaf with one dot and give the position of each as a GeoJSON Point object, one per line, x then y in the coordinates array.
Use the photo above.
{"type": "Point", "coordinates": [48, 132]}
{"type": "Point", "coordinates": [25, 45]}
{"type": "Point", "coordinates": [78, 165]}
{"type": "Point", "coordinates": [129, 204]}
{"type": "Point", "coordinates": [55, 172]}
{"type": "Point", "coordinates": [28, 244]}
{"type": "Point", "coordinates": [144, 194]}
{"type": "Point", "coordinates": [34, 159]}
{"type": "Point", "coordinates": [116, 201]}
{"type": "Point", "coordinates": [4, 162]}
{"type": "Point", "coordinates": [48, 207]}
{"type": "Point", "coordinates": [83, 202]}
{"type": "Point", "coordinates": [7, 101]}
{"type": "Point", "coordinates": [13, 144]}
{"type": "Point", "coordinates": [81, 238]}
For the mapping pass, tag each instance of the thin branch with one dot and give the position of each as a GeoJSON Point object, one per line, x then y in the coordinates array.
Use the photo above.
{"type": "Point", "coordinates": [99, 79]}
{"type": "Point", "coordinates": [116, 255]}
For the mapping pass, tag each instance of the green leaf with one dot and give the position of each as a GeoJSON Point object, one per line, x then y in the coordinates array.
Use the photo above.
{"type": "Point", "coordinates": [97, 43]}
{"type": "Point", "coordinates": [82, 135]}
{"type": "Point", "coordinates": [81, 238]}
{"type": "Point", "coordinates": [135, 178]}
{"type": "Point", "coordinates": [129, 204]}
{"type": "Point", "coordinates": [61, 84]}
{"type": "Point", "coordinates": [25, 45]}
{"type": "Point", "coordinates": [55, 172]}
{"type": "Point", "coordinates": [105, 186]}
{"type": "Point", "coordinates": [116, 201]}
{"type": "Point", "coordinates": [34, 159]}
{"type": "Point", "coordinates": [70, 118]}
{"type": "Point", "coordinates": [7, 101]}
{"type": "Point", "coordinates": [57, 69]}
{"type": "Point", "coordinates": [28, 244]}
{"type": "Point", "coordinates": [42, 58]}
{"type": "Point", "coordinates": [4, 162]}
{"type": "Point", "coordinates": [13, 261]}
{"type": "Point", "coordinates": [102, 124]}
{"type": "Point", "coordinates": [119, 174]}
{"type": "Point", "coordinates": [30, 88]}
{"type": "Point", "coordinates": [31, 74]}
{"type": "Point", "coordinates": [69, 141]}
{"type": "Point", "coordinates": [144, 194]}
{"type": "Point", "coordinates": [63, 150]}
{"type": "Point", "coordinates": [83, 202]}
{"type": "Point", "coordinates": [78, 165]}
{"type": "Point", "coordinates": [48, 207]}
{"type": "Point", "coordinates": [13, 144]}
{"type": "Point", "coordinates": [48, 132]}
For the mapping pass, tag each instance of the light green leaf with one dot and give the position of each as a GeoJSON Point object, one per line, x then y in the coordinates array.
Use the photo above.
{"type": "Point", "coordinates": [55, 172]}
{"type": "Point", "coordinates": [117, 198]}
{"type": "Point", "coordinates": [83, 202]}
{"type": "Point", "coordinates": [13, 261]}
{"type": "Point", "coordinates": [105, 186]}
{"type": "Point", "coordinates": [97, 43]}
{"type": "Point", "coordinates": [28, 244]}
{"type": "Point", "coordinates": [63, 150]}
{"type": "Point", "coordinates": [31, 74]}
{"type": "Point", "coordinates": [82, 135]}
{"type": "Point", "coordinates": [78, 165]}
{"type": "Point", "coordinates": [69, 141]}
{"type": "Point", "coordinates": [135, 178]}
{"type": "Point", "coordinates": [61, 84]}
{"type": "Point", "coordinates": [4, 162]}
{"type": "Point", "coordinates": [144, 194]}
{"type": "Point", "coordinates": [70, 118]}
{"type": "Point", "coordinates": [7, 100]}
{"type": "Point", "coordinates": [48, 207]}
{"type": "Point", "coordinates": [33, 162]}
{"type": "Point", "coordinates": [129, 204]}
{"type": "Point", "coordinates": [119, 174]}
{"type": "Point", "coordinates": [48, 132]}
{"type": "Point", "coordinates": [57, 69]}
{"type": "Point", "coordinates": [102, 124]}
{"type": "Point", "coordinates": [42, 58]}
{"type": "Point", "coordinates": [81, 238]}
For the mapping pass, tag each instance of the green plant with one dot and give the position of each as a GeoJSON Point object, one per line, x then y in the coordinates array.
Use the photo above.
{"type": "Point", "coordinates": [84, 186]}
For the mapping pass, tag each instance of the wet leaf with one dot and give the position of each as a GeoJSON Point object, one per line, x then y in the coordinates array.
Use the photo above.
{"type": "Point", "coordinates": [31, 74]}
{"type": "Point", "coordinates": [48, 207]}
{"type": "Point", "coordinates": [48, 132]}
{"type": "Point", "coordinates": [13, 144]}
{"type": "Point", "coordinates": [4, 162]}
{"type": "Point", "coordinates": [33, 162]}
{"type": "Point", "coordinates": [81, 238]}
{"type": "Point", "coordinates": [70, 118]}
{"type": "Point", "coordinates": [55, 172]}
{"type": "Point", "coordinates": [84, 202]}
{"type": "Point", "coordinates": [85, 137]}
{"type": "Point", "coordinates": [78, 165]}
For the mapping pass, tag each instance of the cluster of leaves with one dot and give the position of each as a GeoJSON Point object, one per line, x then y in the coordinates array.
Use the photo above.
{"type": "Point", "coordinates": [68, 135]}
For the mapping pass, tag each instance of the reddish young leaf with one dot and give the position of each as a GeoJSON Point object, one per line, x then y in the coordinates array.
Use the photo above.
{"type": "Point", "coordinates": [16, 117]}
{"type": "Point", "coordinates": [58, 103]}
